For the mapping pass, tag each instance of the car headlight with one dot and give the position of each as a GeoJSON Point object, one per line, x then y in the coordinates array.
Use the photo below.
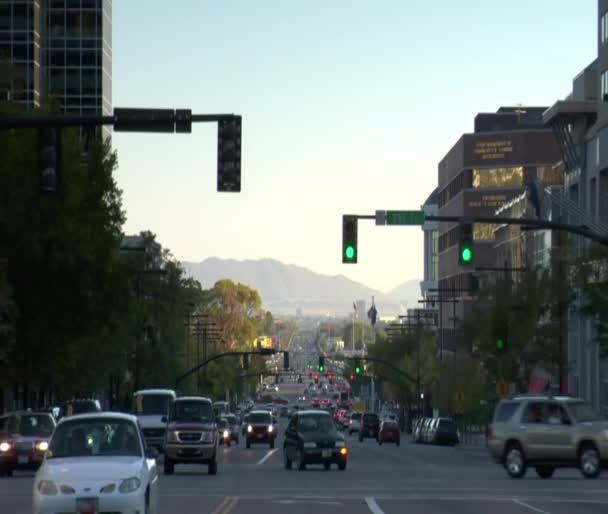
{"type": "Point", "coordinates": [66, 489]}
{"type": "Point", "coordinates": [172, 436]}
{"type": "Point", "coordinates": [340, 444]}
{"type": "Point", "coordinates": [47, 488]}
{"type": "Point", "coordinates": [249, 428]}
{"type": "Point", "coordinates": [270, 428]}
{"type": "Point", "coordinates": [310, 444]}
{"type": "Point", "coordinates": [110, 488]}
{"type": "Point", "coordinates": [5, 447]}
{"type": "Point", "coordinates": [42, 446]}
{"type": "Point", "coordinates": [226, 434]}
{"type": "Point", "coordinates": [129, 485]}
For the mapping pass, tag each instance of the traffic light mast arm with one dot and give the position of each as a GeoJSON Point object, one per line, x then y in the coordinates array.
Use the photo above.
{"type": "Point", "coordinates": [384, 363]}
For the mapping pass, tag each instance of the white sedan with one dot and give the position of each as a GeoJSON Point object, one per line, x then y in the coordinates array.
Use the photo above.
{"type": "Point", "coordinates": [97, 463]}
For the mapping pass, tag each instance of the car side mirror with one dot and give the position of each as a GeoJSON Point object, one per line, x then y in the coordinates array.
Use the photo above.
{"type": "Point", "coordinates": [163, 419]}
{"type": "Point", "coordinates": [151, 453]}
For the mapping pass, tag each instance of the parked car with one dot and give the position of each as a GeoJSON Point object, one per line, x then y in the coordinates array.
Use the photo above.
{"type": "Point", "coordinates": [548, 432]}
{"type": "Point", "coordinates": [354, 422]}
{"type": "Point", "coordinates": [24, 439]}
{"type": "Point", "coordinates": [97, 462]}
{"type": "Point", "coordinates": [445, 431]}
{"type": "Point", "coordinates": [370, 426]}
{"type": "Point", "coordinates": [260, 428]}
{"type": "Point", "coordinates": [417, 430]}
{"type": "Point", "coordinates": [389, 433]}
{"type": "Point", "coordinates": [311, 438]}
{"type": "Point", "coordinates": [191, 435]}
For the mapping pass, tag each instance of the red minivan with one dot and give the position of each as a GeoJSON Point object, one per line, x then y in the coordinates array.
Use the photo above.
{"type": "Point", "coordinates": [389, 433]}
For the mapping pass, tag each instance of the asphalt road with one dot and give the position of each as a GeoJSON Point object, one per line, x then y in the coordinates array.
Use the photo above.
{"type": "Point", "coordinates": [379, 479]}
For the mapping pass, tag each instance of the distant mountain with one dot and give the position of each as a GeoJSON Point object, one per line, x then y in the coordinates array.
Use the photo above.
{"type": "Point", "coordinates": [407, 293]}
{"type": "Point", "coordinates": [285, 288]}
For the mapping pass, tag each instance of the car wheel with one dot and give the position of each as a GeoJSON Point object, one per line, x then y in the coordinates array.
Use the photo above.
{"type": "Point", "coordinates": [398, 442]}
{"type": "Point", "coordinates": [342, 465]}
{"type": "Point", "coordinates": [168, 466]}
{"type": "Point", "coordinates": [380, 441]}
{"type": "Point", "coordinates": [300, 461]}
{"type": "Point", "coordinates": [213, 467]}
{"type": "Point", "coordinates": [515, 462]}
{"type": "Point", "coordinates": [272, 444]}
{"type": "Point", "coordinates": [327, 466]}
{"type": "Point", "coordinates": [248, 444]}
{"type": "Point", "coordinates": [147, 506]}
{"type": "Point", "coordinates": [544, 471]}
{"type": "Point", "coordinates": [589, 461]}
{"type": "Point", "coordinates": [286, 460]}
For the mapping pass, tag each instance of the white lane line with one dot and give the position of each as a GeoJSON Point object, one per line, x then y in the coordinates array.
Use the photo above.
{"type": "Point", "coordinates": [373, 506]}
{"type": "Point", "coordinates": [266, 457]}
{"type": "Point", "coordinates": [527, 505]}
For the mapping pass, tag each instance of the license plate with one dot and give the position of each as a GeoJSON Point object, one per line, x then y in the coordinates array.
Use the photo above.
{"type": "Point", "coordinates": [87, 505]}
{"type": "Point", "coordinates": [23, 459]}
{"type": "Point", "coordinates": [326, 453]}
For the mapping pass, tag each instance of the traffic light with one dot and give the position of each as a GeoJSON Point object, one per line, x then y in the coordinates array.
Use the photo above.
{"type": "Point", "coordinates": [316, 379]}
{"type": "Point", "coordinates": [349, 239]}
{"type": "Point", "coordinates": [466, 256]}
{"type": "Point", "coordinates": [229, 155]}
{"type": "Point", "coordinates": [352, 377]}
{"type": "Point", "coordinates": [358, 367]}
{"type": "Point", "coordinates": [501, 336]}
{"type": "Point", "coordinates": [321, 363]}
{"type": "Point", "coordinates": [49, 159]}
{"type": "Point", "coordinates": [331, 378]}
{"type": "Point", "coordinates": [285, 361]}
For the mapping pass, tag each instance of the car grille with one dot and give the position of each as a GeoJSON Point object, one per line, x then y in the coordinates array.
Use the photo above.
{"type": "Point", "coordinates": [154, 432]}
{"type": "Point", "coordinates": [24, 446]}
{"type": "Point", "coordinates": [325, 444]}
{"type": "Point", "coordinates": [189, 437]}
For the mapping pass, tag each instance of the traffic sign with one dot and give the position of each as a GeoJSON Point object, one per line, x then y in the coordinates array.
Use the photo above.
{"type": "Point", "coordinates": [404, 217]}
{"type": "Point", "coordinates": [502, 388]}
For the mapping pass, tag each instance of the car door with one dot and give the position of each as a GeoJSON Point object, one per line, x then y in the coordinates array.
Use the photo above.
{"type": "Point", "coordinates": [533, 430]}
{"type": "Point", "coordinates": [560, 433]}
{"type": "Point", "coordinates": [291, 437]}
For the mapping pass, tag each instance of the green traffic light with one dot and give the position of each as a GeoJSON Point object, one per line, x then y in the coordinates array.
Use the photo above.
{"type": "Point", "coordinates": [467, 254]}
{"type": "Point", "coordinates": [500, 344]}
{"type": "Point", "coordinates": [357, 370]}
{"type": "Point", "coordinates": [350, 252]}
{"type": "Point", "coordinates": [321, 369]}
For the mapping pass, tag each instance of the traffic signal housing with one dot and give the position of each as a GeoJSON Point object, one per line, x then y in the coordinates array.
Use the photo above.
{"type": "Point", "coordinates": [358, 367]}
{"type": "Point", "coordinates": [321, 363]}
{"type": "Point", "coordinates": [466, 251]}
{"type": "Point", "coordinates": [285, 361]}
{"type": "Point", "coordinates": [349, 239]}
{"type": "Point", "coordinates": [229, 155]}
{"type": "Point", "coordinates": [49, 159]}
{"type": "Point", "coordinates": [352, 377]}
{"type": "Point", "coordinates": [501, 336]}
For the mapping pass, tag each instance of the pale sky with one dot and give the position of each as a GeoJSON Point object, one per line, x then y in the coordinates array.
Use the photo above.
{"type": "Point", "coordinates": [347, 105]}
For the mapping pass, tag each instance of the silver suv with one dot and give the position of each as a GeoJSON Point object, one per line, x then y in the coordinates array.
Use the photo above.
{"type": "Point", "coordinates": [548, 432]}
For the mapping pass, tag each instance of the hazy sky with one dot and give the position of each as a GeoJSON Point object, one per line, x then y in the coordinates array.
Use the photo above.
{"type": "Point", "coordinates": [347, 105]}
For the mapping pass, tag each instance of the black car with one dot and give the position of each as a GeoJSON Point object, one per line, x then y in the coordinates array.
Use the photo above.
{"type": "Point", "coordinates": [446, 432]}
{"type": "Point", "coordinates": [260, 429]}
{"type": "Point", "coordinates": [370, 426]}
{"type": "Point", "coordinates": [311, 438]}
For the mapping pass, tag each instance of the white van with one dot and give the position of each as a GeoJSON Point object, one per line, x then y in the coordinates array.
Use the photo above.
{"type": "Point", "coordinates": [151, 406]}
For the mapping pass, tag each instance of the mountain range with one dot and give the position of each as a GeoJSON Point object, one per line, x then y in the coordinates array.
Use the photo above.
{"type": "Point", "coordinates": [286, 288]}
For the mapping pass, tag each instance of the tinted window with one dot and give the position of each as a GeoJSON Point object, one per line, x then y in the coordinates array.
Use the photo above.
{"type": "Point", "coordinates": [94, 438]}
{"type": "Point", "coordinates": [259, 417]}
{"type": "Point", "coordinates": [447, 424]}
{"type": "Point", "coordinates": [231, 420]}
{"type": "Point", "coordinates": [35, 425]}
{"type": "Point", "coordinates": [222, 423]}
{"type": "Point", "coordinates": [191, 410]}
{"type": "Point", "coordinates": [370, 418]}
{"type": "Point", "coordinates": [152, 404]}
{"type": "Point", "coordinates": [505, 410]}
{"type": "Point", "coordinates": [316, 423]}
{"type": "Point", "coordinates": [356, 415]}
{"type": "Point", "coordinates": [389, 424]}
{"type": "Point", "coordinates": [582, 412]}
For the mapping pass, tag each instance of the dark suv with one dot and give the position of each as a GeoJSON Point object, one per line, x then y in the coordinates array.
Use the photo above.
{"type": "Point", "coordinates": [370, 426]}
{"type": "Point", "coordinates": [260, 429]}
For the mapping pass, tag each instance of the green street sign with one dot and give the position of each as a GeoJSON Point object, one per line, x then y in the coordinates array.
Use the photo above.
{"type": "Point", "coordinates": [339, 357]}
{"type": "Point", "coordinates": [405, 217]}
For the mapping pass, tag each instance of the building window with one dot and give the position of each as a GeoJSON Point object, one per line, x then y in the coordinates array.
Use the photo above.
{"type": "Point", "coordinates": [434, 255]}
{"type": "Point", "coordinates": [498, 177]}
{"type": "Point", "coordinates": [484, 231]}
{"type": "Point", "coordinates": [604, 85]}
{"type": "Point", "coordinates": [550, 175]}
{"type": "Point", "coordinates": [604, 28]}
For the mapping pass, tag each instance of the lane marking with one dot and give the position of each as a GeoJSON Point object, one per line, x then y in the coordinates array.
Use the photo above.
{"type": "Point", "coordinates": [220, 508]}
{"type": "Point", "coordinates": [311, 501]}
{"type": "Point", "coordinates": [266, 457]}
{"type": "Point", "coordinates": [373, 506]}
{"type": "Point", "coordinates": [230, 506]}
{"type": "Point", "coordinates": [524, 504]}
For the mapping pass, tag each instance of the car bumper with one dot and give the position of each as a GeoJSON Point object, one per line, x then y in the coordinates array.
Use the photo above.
{"type": "Point", "coordinates": [495, 448]}
{"type": "Point", "coordinates": [31, 460]}
{"type": "Point", "coordinates": [317, 456]}
{"type": "Point", "coordinates": [261, 438]}
{"type": "Point", "coordinates": [115, 503]}
{"type": "Point", "coordinates": [190, 453]}
{"type": "Point", "coordinates": [155, 442]}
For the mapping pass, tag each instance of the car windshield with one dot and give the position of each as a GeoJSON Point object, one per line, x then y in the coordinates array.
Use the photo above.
{"type": "Point", "coordinates": [191, 410]}
{"type": "Point", "coordinates": [583, 412]}
{"type": "Point", "coordinates": [95, 437]}
{"type": "Point", "coordinates": [231, 420]}
{"type": "Point", "coordinates": [259, 417]}
{"type": "Point", "coordinates": [222, 423]}
{"type": "Point", "coordinates": [35, 425]}
{"type": "Point", "coordinates": [356, 416]}
{"type": "Point", "coordinates": [152, 404]}
{"type": "Point", "coordinates": [316, 423]}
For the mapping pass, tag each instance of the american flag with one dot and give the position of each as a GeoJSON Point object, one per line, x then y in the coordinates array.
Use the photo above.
{"type": "Point", "coordinates": [355, 309]}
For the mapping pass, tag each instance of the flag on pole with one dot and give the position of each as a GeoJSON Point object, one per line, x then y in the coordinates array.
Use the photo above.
{"type": "Point", "coordinates": [356, 314]}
